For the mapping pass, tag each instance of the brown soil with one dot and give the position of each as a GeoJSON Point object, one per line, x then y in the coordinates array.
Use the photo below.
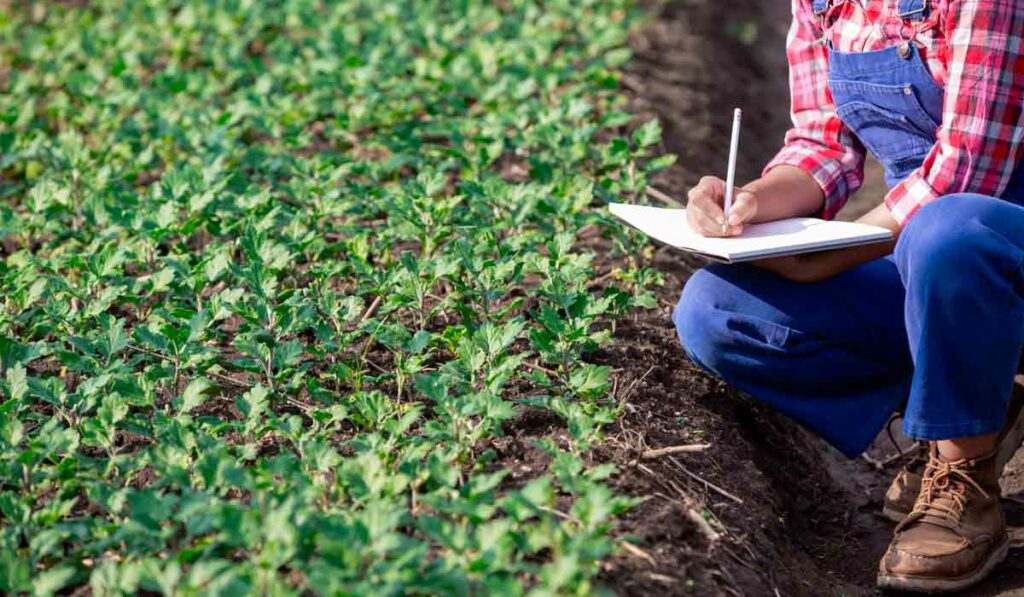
{"type": "Point", "coordinates": [784, 514]}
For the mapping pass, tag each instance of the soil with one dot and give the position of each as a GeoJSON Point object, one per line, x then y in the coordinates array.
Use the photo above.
{"type": "Point", "coordinates": [767, 509]}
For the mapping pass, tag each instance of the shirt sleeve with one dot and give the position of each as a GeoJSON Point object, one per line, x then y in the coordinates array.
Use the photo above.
{"type": "Point", "coordinates": [979, 140]}
{"type": "Point", "coordinates": [818, 142]}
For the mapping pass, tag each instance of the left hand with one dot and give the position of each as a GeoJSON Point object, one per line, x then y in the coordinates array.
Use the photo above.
{"type": "Point", "coordinates": [815, 267]}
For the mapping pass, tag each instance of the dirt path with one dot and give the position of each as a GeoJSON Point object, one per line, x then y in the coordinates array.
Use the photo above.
{"type": "Point", "coordinates": [791, 515]}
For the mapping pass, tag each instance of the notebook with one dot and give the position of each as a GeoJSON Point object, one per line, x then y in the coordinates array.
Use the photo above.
{"type": "Point", "coordinates": [770, 239]}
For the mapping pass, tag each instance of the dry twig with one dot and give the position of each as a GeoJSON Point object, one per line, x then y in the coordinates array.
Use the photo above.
{"type": "Point", "coordinates": [539, 367]}
{"type": "Point", "coordinates": [689, 506]}
{"type": "Point", "coordinates": [636, 551]}
{"type": "Point", "coordinates": [633, 84]}
{"type": "Point", "coordinates": [707, 484]}
{"type": "Point", "coordinates": [657, 195]}
{"type": "Point", "coordinates": [670, 450]}
{"type": "Point", "coordinates": [369, 310]}
{"type": "Point", "coordinates": [690, 509]}
{"type": "Point", "coordinates": [632, 386]}
{"type": "Point", "coordinates": [560, 514]}
{"type": "Point", "coordinates": [662, 578]}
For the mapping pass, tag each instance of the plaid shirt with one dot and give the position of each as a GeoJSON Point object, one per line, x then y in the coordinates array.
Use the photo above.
{"type": "Point", "coordinates": [971, 47]}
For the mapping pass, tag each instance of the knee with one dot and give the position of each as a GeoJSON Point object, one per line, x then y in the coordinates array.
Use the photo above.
{"type": "Point", "coordinates": [695, 320]}
{"type": "Point", "coordinates": [939, 238]}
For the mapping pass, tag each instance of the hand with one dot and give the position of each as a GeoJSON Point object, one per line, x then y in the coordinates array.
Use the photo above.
{"type": "Point", "coordinates": [704, 208]}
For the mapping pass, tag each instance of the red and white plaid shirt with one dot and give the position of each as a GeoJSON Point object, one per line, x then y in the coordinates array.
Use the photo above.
{"type": "Point", "coordinates": [971, 47]}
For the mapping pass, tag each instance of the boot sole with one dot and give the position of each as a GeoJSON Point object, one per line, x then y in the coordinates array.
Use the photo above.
{"type": "Point", "coordinates": [945, 585]}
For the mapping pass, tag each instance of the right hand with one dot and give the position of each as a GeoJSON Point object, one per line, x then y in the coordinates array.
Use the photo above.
{"type": "Point", "coordinates": [704, 208]}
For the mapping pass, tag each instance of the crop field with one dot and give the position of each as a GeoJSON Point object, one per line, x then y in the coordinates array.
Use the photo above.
{"type": "Point", "coordinates": [275, 275]}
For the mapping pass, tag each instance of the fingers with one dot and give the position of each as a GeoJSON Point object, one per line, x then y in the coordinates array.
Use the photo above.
{"type": "Point", "coordinates": [713, 186]}
{"type": "Point", "coordinates": [704, 224]}
{"type": "Point", "coordinates": [706, 217]}
{"type": "Point", "coordinates": [704, 208]}
{"type": "Point", "coordinates": [743, 210]}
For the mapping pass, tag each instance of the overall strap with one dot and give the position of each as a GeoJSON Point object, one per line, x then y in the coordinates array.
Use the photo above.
{"type": "Point", "coordinates": [819, 7]}
{"type": "Point", "coordinates": [913, 10]}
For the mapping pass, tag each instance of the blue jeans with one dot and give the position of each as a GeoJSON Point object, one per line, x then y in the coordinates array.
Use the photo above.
{"type": "Point", "coordinates": [937, 326]}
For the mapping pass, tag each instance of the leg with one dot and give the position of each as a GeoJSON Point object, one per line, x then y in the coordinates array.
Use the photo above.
{"type": "Point", "coordinates": [960, 260]}
{"type": "Point", "coordinates": [832, 355]}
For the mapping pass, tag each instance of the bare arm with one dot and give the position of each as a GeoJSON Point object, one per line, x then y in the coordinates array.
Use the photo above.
{"type": "Point", "coordinates": [785, 192]}
{"type": "Point", "coordinates": [815, 267]}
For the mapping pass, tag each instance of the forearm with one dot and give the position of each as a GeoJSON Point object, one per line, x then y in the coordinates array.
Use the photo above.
{"type": "Point", "coordinates": [881, 216]}
{"type": "Point", "coordinates": [834, 262]}
{"type": "Point", "coordinates": [785, 192]}
{"type": "Point", "coordinates": [815, 267]}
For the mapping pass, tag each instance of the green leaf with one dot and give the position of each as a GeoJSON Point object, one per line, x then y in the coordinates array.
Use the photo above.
{"type": "Point", "coordinates": [648, 134]}
{"type": "Point", "coordinates": [432, 386]}
{"type": "Point", "coordinates": [538, 492]}
{"type": "Point", "coordinates": [17, 383]}
{"type": "Point", "coordinates": [50, 581]}
{"type": "Point", "coordinates": [197, 327]}
{"type": "Point", "coordinates": [149, 508]}
{"type": "Point", "coordinates": [589, 380]}
{"type": "Point", "coordinates": [661, 162]}
{"type": "Point", "coordinates": [287, 354]}
{"type": "Point", "coordinates": [253, 405]}
{"type": "Point", "coordinates": [194, 394]}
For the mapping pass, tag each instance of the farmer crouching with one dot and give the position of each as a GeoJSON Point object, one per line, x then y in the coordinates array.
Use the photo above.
{"type": "Point", "coordinates": [932, 324]}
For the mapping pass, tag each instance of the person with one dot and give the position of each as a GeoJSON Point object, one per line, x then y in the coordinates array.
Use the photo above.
{"type": "Point", "coordinates": [931, 324]}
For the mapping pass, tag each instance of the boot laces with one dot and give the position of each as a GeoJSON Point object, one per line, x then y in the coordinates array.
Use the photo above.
{"type": "Point", "coordinates": [949, 480]}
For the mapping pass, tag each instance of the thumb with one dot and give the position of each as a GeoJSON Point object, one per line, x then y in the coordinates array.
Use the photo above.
{"type": "Point", "coordinates": [743, 209]}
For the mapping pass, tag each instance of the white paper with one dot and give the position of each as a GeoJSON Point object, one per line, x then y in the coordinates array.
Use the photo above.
{"type": "Point", "coordinates": [770, 239]}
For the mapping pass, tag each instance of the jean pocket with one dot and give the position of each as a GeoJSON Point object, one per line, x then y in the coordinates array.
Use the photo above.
{"type": "Point", "coordinates": [888, 135]}
{"type": "Point", "coordinates": [909, 100]}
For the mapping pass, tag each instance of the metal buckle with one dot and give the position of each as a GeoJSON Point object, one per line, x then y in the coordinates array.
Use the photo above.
{"type": "Point", "coordinates": [914, 25]}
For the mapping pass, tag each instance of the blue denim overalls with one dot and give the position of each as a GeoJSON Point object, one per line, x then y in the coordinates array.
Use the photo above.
{"type": "Point", "coordinates": [937, 326]}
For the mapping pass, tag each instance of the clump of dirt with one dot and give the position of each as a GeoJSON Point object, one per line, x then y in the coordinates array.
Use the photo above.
{"type": "Point", "coordinates": [767, 509]}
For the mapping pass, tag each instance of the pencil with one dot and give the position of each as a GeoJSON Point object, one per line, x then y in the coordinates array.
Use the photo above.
{"type": "Point", "coordinates": [730, 175]}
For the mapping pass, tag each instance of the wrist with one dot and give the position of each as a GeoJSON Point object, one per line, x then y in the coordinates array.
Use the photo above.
{"type": "Point", "coordinates": [880, 216]}
{"type": "Point", "coordinates": [786, 192]}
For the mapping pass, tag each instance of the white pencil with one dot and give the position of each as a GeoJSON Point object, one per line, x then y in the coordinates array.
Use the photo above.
{"type": "Point", "coordinates": [730, 176]}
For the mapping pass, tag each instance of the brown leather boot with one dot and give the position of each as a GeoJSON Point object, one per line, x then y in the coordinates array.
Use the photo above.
{"type": "Point", "coordinates": [905, 487]}
{"type": "Point", "coordinates": [956, 532]}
